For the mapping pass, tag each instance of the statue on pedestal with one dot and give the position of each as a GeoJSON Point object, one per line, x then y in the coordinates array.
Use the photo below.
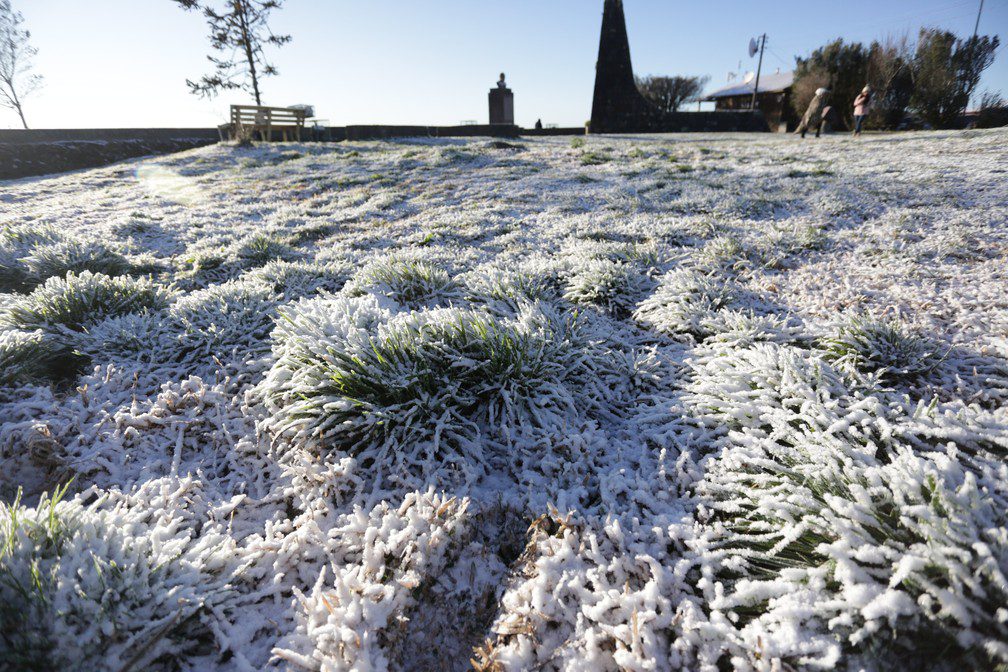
{"type": "Point", "coordinates": [501, 104]}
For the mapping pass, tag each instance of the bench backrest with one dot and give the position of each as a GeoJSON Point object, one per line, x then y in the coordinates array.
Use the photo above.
{"type": "Point", "coordinates": [256, 115]}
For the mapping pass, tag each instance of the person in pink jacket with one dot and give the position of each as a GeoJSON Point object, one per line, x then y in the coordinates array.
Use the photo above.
{"type": "Point", "coordinates": [861, 105]}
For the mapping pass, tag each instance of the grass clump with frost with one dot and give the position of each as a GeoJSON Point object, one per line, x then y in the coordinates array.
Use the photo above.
{"type": "Point", "coordinates": [505, 291]}
{"type": "Point", "coordinates": [229, 322]}
{"type": "Point", "coordinates": [125, 582]}
{"type": "Point", "coordinates": [59, 258]}
{"type": "Point", "coordinates": [412, 283]}
{"type": "Point", "coordinates": [819, 517]}
{"type": "Point", "coordinates": [263, 248]}
{"type": "Point", "coordinates": [883, 349]}
{"type": "Point", "coordinates": [15, 244]}
{"type": "Point", "coordinates": [614, 287]}
{"type": "Point", "coordinates": [80, 300]}
{"type": "Point", "coordinates": [684, 302]}
{"type": "Point", "coordinates": [297, 279]}
{"type": "Point", "coordinates": [424, 383]}
{"type": "Point", "coordinates": [29, 357]}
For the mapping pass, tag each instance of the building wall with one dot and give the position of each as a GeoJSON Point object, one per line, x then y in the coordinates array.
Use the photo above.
{"type": "Point", "coordinates": [775, 106]}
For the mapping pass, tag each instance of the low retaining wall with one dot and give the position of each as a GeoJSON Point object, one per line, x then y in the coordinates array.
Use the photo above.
{"type": "Point", "coordinates": [711, 121]}
{"type": "Point", "coordinates": [382, 132]}
{"type": "Point", "coordinates": [24, 153]}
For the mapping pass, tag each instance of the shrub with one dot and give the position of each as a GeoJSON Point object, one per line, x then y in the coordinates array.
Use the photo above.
{"type": "Point", "coordinates": [882, 349]}
{"type": "Point", "coordinates": [412, 283]}
{"type": "Point", "coordinates": [80, 300]}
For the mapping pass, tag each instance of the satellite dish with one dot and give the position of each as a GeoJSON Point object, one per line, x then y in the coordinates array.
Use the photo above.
{"type": "Point", "coordinates": [753, 47]}
{"type": "Point", "coordinates": [749, 76]}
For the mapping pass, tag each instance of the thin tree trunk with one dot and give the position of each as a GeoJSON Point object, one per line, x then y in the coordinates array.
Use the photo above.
{"type": "Point", "coordinates": [241, 9]}
{"type": "Point", "coordinates": [17, 106]}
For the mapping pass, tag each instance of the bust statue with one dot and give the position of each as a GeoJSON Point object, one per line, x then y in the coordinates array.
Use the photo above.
{"type": "Point", "coordinates": [501, 84]}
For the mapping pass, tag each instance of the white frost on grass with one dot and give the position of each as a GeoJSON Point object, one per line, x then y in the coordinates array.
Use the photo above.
{"type": "Point", "coordinates": [623, 403]}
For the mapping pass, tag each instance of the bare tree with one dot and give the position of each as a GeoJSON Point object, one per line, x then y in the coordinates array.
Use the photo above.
{"type": "Point", "coordinates": [238, 30]}
{"type": "Point", "coordinates": [17, 81]}
{"type": "Point", "coordinates": [669, 93]}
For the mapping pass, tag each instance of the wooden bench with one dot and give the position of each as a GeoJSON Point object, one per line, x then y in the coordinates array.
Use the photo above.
{"type": "Point", "coordinates": [265, 120]}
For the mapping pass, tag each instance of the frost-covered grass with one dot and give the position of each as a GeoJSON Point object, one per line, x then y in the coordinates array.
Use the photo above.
{"type": "Point", "coordinates": [80, 300]}
{"type": "Point", "coordinates": [618, 403]}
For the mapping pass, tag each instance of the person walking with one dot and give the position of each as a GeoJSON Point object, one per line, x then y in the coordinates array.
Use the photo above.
{"type": "Point", "coordinates": [861, 105]}
{"type": "Point", "coordinates": [814, 114]}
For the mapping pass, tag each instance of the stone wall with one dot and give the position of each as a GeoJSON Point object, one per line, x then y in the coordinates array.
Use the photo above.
{"type": "Point", "coordinates": [24, 153]}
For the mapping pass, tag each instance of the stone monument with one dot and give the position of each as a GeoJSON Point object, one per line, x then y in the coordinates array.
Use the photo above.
{"type": "Point", "coordinates": [617, 106]}
{"type": "Point", "coordinates": [501, 104]}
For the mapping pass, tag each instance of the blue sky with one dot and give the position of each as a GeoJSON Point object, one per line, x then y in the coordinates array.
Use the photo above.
{"type": "Point", "coordinates": [120, 63]}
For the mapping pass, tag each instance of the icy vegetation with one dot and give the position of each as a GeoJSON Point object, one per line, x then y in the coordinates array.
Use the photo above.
{"type": "Point", "coordinates": [625, 403]}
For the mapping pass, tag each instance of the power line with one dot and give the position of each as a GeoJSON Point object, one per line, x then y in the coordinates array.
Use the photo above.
{"type": "Point", "coordinates": [779, 58]}
{"type": "Point", "coordinates": [916, 15]}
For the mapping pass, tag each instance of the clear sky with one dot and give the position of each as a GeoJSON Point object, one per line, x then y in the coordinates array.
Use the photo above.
{"type": "Point", "coordinates": [122, 63]}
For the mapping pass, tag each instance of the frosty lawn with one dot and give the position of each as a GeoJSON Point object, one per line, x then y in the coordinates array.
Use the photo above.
{"type": "Point", "coordinates": [635, 403]}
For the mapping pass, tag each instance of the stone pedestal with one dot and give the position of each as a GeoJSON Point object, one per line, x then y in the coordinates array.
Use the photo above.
{"type": "Point", "coordinates": [501, 107]}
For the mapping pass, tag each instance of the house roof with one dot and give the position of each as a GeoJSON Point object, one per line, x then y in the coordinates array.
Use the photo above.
{"type": "Point", "coordinates": [768, 83]}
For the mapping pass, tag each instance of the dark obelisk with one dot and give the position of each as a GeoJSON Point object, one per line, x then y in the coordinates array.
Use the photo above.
{"type": "Point", "coordinates": [618, 106]}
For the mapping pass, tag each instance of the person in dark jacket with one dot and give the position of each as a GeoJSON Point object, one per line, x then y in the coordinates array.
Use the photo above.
{"type": "Point", "coordinates": [813, 117]}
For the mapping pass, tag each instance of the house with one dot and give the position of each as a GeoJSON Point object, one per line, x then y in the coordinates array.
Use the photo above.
{"type": "Point", "coordinates": [773, 98]}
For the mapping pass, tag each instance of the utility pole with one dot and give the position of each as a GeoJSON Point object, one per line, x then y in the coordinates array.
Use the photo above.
{"type": "Point", "coordinates": [759, 68]}
{"type": "Point", "coordinates": [973, 44]}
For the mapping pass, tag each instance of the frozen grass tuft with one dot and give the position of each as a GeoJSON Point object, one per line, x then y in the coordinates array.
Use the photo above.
{"type": "Point", "coordinates": [57, 259]}
{"type": "Point", "coordinates": [430, 376]}
{"type": "Point", "coordinates": [506, 291]}
{"type": "Point", "coordinates": [412, 283]}
{"type": "Point", "coordinates": [263, 248]}
{"type": "Point", "coordinates": [30, 357]}
{"type": "Point", "coordinates": [684, 302]}
{"type": "Point", "coordinates": [229, 323]}
{"type": "Point", "coordinates": [614, 287]}
{"type": "Point", "coordinates": [122, 580]}
{"type": "Point", "coordinates": [297, 279]}
{"type": "Point", "coordinates": [422, 384]}
{"type": "Point", "coordinates": [883, 349]}
{"type": "Point", "coordinates": [80, 300]}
